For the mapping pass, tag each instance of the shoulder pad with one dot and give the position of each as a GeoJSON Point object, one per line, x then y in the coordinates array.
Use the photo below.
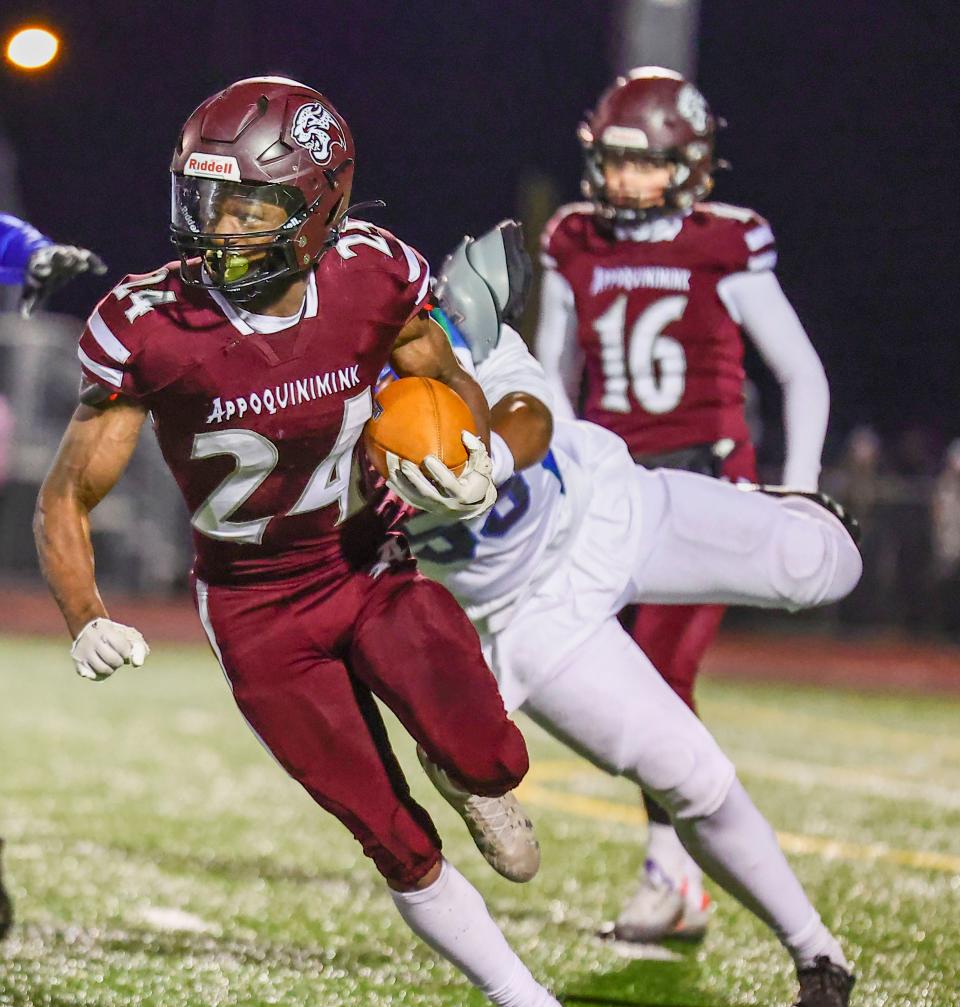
{"type": "Point", "coordinates": [565, 233]}
{"type": "Point", "coordinates": [741, 238]}
{"type": "Point", "coordinates": [120, 325]}
{"type": "Point", "coordinates": [376, 250]}
{"type": "Point", "coordinates": [726, 210]}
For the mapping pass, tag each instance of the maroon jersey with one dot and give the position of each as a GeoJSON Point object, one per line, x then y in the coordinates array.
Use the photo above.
{"type": "Point", "coordinates": [259, 430]}
{"type": "Point", "coordinates": [663, 359]}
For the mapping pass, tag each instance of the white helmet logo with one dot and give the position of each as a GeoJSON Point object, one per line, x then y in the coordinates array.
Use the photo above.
{"type": "Point", "coordinates": [316, 129]}
{"type": "Point", "coordinates": [692, 105]}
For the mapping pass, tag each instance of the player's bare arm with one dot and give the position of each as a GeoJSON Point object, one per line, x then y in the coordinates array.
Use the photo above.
{"type": "Point", "coordinates": [526, 425]}
{"type": "Point", "coordinates": [423, 350]}
{"type": "Point", "coordinates": [93, 454]}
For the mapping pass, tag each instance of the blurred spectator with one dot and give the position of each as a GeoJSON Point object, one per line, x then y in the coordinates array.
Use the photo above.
{"type": "Point", "coordinates": [856, 481]}
{"type": "Point", "coordinates": [857, 484]}
{"type": "Point", "coordinates": [907, 514]}
{"type": "Point", "coordinates": [6, 439]}
{"type": "Point", "coordinates": [945, 521]}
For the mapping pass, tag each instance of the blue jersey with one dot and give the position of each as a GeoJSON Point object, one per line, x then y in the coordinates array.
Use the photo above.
{"type": "Point", "coordinates": [18, 241]}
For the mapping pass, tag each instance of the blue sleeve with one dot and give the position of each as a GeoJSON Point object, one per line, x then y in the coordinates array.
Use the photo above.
{"type": "Point", "coordinates": [18, 241]}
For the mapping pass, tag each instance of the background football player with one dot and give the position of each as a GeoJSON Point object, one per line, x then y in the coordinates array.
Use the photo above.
{"type": "Point", "coordinates": [579, 529]}
{"type": "Point", "coordinates": [255, 357]}
{"type": "Point", "coordinates": [645, 295]}
{"type": "Point", "coordinates": [37, 264]}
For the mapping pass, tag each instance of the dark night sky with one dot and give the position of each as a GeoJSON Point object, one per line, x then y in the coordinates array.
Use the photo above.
{"type": "Point", "coordinates": [840, 132]}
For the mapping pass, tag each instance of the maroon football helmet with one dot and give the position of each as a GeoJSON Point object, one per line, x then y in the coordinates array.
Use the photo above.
{"type": "Point", "coordinates": [652, 114]}
{"type": "Point", "coordinates": [261, 176]}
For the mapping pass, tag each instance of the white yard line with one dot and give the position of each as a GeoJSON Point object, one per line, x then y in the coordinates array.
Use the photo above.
{"type": "Point", "coordinates": [169, 918]}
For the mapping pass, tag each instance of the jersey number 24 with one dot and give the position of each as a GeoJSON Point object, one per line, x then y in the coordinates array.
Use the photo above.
{"type": "Point", "coordinates": [256, 457]}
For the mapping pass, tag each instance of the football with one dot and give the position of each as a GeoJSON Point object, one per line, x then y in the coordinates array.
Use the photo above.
{"type": "Point", "coordinates": [416, 417]}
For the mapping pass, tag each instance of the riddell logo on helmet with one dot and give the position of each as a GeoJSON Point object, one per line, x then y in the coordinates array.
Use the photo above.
{"type": "Point", "coordinates": [212, 166]}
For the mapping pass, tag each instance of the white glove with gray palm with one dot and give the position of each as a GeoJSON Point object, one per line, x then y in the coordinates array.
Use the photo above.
{"type": "Point", "coordinates": [466, 496]}
{"type": "Point", "coordinates": [103, 646]}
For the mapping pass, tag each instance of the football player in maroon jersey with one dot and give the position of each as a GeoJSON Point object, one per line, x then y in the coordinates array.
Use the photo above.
{"type": "Point", "coordinates": [646, 294]}
{"type": "Point", "coordinates": [255, 356]}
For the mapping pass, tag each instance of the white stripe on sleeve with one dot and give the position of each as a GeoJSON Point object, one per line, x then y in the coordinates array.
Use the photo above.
{"type": "Point", "coordinates": [108, 342]}
{"type": "Point", "coordinates": [759, 237]}
{"type": "Point", "coordinates": [763, 261]}
{"type": "Point", "coordinates": [413, 263]}
{"type": "Point", "coordinates": [111, 374]}
{"type": "Point", "coordinates": [422, 293]}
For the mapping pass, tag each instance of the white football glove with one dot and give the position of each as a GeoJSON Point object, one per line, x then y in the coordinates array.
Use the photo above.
{"type": "Point", "coordinates": [468, 495]}
{"type": "Point", "coordinates": [102, 646]}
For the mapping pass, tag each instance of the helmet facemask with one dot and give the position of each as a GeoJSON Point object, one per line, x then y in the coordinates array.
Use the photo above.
{"type": "Point", "coordinates": [244, 235]}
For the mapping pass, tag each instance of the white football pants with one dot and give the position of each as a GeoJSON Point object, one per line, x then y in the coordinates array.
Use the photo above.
{"type": "Point", "coordinates": [701, 541]}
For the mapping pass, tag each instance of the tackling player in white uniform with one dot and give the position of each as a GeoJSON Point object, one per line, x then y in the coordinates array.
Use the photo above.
{"type": "Point", "coordinates": [578, 532]}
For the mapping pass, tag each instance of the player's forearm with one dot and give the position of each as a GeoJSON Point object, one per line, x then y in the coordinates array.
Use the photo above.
{"type": "Point", "coordinates": [61, 529]}
{"type": "Point", "coordinates": [526, 426]}
{"type": "Point", "coordinates": [806, 411]}
{"type": "Point", "coordinates": [756, 301]}
{"type": "Point", "coordinates": [471, 393]}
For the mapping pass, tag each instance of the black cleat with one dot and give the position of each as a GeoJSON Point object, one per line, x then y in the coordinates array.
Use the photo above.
{"type": "Point", "coordinates": [824, 984]}
{"type": "Point", "coordinates": [827, 502]}
{"type": "Point", "coordinates": [6, 909]}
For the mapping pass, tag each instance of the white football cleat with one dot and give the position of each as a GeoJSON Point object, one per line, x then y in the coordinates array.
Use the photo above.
{"type": "Point", "coordinates": [499, 826]}
{"type": "Point", "coordinates": [661, 909]}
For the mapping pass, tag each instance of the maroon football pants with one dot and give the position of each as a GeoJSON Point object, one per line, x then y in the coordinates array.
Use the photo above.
{"type": "Point", "coordinates": [304, 665]}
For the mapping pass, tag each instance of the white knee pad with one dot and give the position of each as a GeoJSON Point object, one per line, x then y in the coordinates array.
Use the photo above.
{"type": "Point", "coordinates": [813, 559]}
{"type": "Point", "coordinates": [684, 768]}
{"type": "Point", "coordinates": [610, 704]}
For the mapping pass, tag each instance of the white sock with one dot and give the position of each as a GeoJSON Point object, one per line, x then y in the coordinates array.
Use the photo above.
{"type": "Point", "coordinates": [672, 860]}
{"type": "Point", "coordinates": [451, 916]}
{"type": "Point", "coordinates": [693, 878]}
{"type": "Point", "coordinates": [666, 851]}
{"type": "Point", "coordinates": [807, 945]}
{"type": "Point", "coordinates": [738, 849]}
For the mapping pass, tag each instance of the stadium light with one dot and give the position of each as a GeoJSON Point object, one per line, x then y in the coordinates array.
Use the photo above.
{"type": "Point", "coordinates": [32, 48]}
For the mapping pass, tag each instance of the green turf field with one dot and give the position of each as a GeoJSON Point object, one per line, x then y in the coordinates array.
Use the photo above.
{"type": "Point", "coordinates": [157, 855]}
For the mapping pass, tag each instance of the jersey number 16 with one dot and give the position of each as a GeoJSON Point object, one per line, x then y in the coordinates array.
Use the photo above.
{"type": "Point", "coordinates": [656, 364]}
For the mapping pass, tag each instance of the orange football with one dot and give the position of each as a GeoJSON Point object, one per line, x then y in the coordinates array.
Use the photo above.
{"type": "Point", "coordinates": [416, 417]}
